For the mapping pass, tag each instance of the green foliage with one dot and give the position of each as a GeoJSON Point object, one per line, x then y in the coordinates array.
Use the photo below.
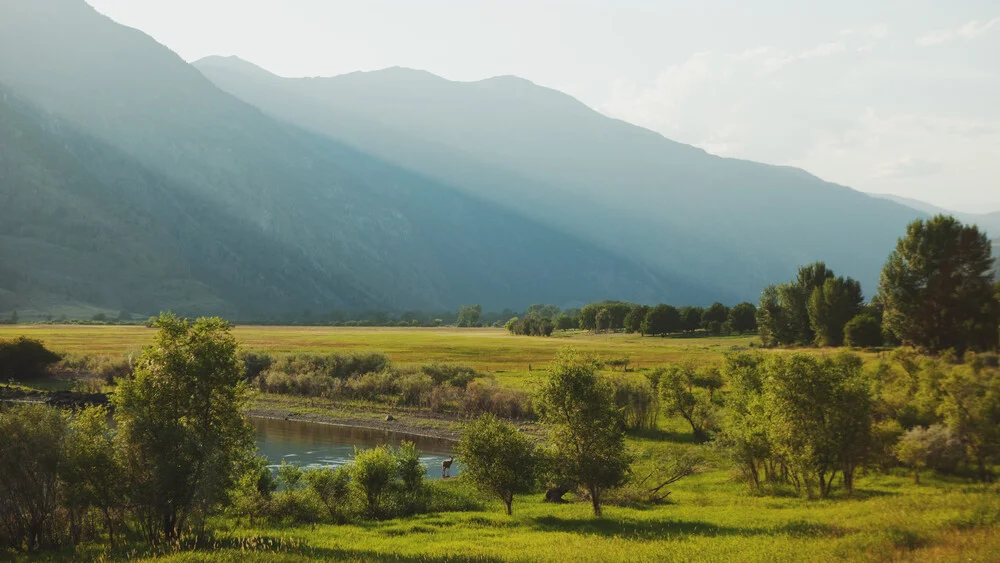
{"type": "Point", "coordinates": [92, 471]}
{"type": "Point", "coordinates": [831, 306]}
{"type": "Point", "coordinates": [933, 446]}
{"type": "Point", "coordinates": [390, 480]}
{"type": "Point", "coordinates": [469, 315]}
{"type": "Point", "coordinates": [499, 460]}
{"type": "Point", "coordinates": [567, 322]}
{"type": "Point", "coordinates": [182, 428]}
{"type": "Point", "coordinates": [614, 317]}
{"type": "Point", "coordinates": [819, 417]}
{"type": "Point", "coordinates": [587, 435]}
{"type": "Point", "coordinates": [25, 358]}
{"type": "Point", "coordinates": [743, 318]}
{"type": "Point", "coordinates": [31, 442]}
{"type": "Point", "coordinates": [637, 400]}
{"type": "Point", "coordinates": [937, 287]}
{"type": "Point", "coordinates": [677, 394]}
{"type": "Point", "coordinates": [633, 320]}
{"type": "Point", "coordinates": [661, 320]}
{"type": "Point", "coordinates": [714, 317]}
{"type": "Point", "coordinates": [863, 331]}
{"type": "Point", "coordinates": [970, 406]}
{"type": "Point", "coordinates": [332, 487]}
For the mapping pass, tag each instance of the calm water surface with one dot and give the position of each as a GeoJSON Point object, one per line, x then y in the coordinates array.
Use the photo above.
{"type": "Point", "coordinates": [309, 444]}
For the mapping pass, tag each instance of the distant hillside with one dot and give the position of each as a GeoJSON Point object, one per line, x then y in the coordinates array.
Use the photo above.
{"type": "Point", "coordinates": [727, 225]}
{"type": "Point", "coordinates": [131, 182]}
{"type": "Point", "coordinates": [990, 222]}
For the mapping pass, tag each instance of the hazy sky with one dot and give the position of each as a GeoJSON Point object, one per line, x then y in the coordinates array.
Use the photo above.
{"type": "Point", "coordinates": [895, 96]}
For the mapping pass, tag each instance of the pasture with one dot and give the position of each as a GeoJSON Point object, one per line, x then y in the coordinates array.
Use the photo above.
{"type": "Point", "coordinates": [711, 516]}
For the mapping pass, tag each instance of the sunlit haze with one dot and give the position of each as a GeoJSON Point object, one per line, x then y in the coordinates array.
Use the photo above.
{"type": "Point", "coordinates": [887, 97]}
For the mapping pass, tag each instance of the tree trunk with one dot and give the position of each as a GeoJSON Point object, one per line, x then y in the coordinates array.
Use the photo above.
{"type": "Point", "coordinates": [508, 502]}
{"type": "Point", "coordinates": [595, 500]}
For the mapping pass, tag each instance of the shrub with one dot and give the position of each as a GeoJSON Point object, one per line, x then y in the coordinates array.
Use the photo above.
{"type": "Point", "coordinates": [863, 331]}
{"type": "Point", "coordinates": [459, 376]}
{"type": "Point", "coordinates": [24, 358]}
{"type": "Point", "coordinates": [637, 400]}
{"type": "Point", "coordinates": [487, 397]}
{"type": "Point", "coordinates": [389, 480]}
{"type": "Point", "coordinates": [31, 438]}
{"type": "Point", "coordinates": [934, 446]}
{"type": "Point", "coordinates": [331, 486]}
{"type": "Point", "coordinates": [254, 364]}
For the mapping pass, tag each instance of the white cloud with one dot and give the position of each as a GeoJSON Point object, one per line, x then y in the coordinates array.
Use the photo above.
{"type": "Point", "coordinates": [835, 110]}
{"type": "Point", "coordinates": [969, 30]}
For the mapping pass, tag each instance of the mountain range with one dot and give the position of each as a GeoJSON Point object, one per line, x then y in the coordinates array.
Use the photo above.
{"type": "Point", "coordinates": [132, 180]}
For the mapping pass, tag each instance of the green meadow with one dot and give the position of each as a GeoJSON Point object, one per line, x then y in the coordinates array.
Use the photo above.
{"type": "Point", "coordinates": [710, 516]}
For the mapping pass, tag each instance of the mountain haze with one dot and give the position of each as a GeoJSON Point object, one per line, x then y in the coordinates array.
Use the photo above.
{"type": "Point", "coordinates": [188, 198]}
{"type": "Point", "coordinates": [990, 222]}
{"type": "Point", "coordinates": [726, 224]}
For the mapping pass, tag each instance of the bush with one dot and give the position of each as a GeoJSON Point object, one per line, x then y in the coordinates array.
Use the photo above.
{"type": "Point", "coordinates": [637, 400]}
{"type": "Point", "coordinates": [934, 446]}
{"type": "Point", "coordinates": [863, 331]}
{"type": "Point", "coordinates": [25, 358]}
{"type": "Point", "coordinates": [31, 439]}
{"type": "Point", "coordinates": [459, 376]}
{"type": "Point", "coordinates": [331, 486]}
{"type": "Point", "coordinates": [255, 363]}
{"type": "Point", "coordinates": [389, 480]}
{"type": "Point", "coordinates": [487, 397]}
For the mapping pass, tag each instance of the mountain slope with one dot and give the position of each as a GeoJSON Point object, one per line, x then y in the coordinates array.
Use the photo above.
{"type": "Point", "coordinates": [331, 227]}
{"type": "Point", "coordinates": [990, 222]}
{"type": "Point", "coordinates": [733, 224]}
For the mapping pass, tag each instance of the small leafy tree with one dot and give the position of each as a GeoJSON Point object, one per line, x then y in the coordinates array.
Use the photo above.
{"type": "Point", "coordinates": [499, 460]}
{"type": "Point", "coordinates": [372, 474]}
{"type": "Point", "coordinates": [587, 430]}
{"type": "Point", "coordinates": [91, 472]}
{"type": "Point", "coordinates": [331, 485]}
{"type": "Point", "coordinates": [678, 398]}
{"type": "Point", "coordinates": [182, 426]}
{"type": "Point", "coordinates": [31, 442]}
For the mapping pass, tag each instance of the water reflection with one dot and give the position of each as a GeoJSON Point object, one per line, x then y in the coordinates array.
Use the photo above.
{"type": "Point", "coordinates": [324, 445]}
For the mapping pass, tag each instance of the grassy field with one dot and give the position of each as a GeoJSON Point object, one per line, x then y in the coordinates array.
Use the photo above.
{"type": "Point", "coordinates": [710, 517]}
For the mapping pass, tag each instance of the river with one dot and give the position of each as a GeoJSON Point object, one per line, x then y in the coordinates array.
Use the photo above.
{"type": "Point", "coordinates": [310, 444]}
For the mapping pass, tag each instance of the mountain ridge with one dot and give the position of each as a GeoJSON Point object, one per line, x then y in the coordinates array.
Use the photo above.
{"type": "Point", "coordinates": [367, 233]}
{"type": "Point", "coordinates": [653, 189]}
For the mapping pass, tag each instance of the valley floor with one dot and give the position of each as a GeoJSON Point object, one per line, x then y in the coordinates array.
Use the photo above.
{"type": "Point", "coordinates": [710, 517]}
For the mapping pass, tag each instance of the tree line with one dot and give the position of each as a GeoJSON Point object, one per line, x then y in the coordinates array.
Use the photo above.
{"type": "Point", "coordinates": [936, 292]}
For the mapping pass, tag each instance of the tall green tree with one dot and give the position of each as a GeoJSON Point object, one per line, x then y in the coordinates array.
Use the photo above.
{"type": "Point", "coordinates": [743, 318]}
{"type": "Point", "coordinates": [588, 434]}
{"type": "Point", "coordinates": [714, 317]}
{"type": "Point", "coordinates": [661, 320]}
{"type": "Point", "coordinates": [634, 318]}
{"type": "Point", "coordinates": [937, 287]}
{"type": "Point", "coordinates": [691, 318]}
{"type": "Point", "coordinates": [182, 426]}
{"type": "Point", "coordinates": [831, 306]}
{"type": "Point", "coordinates": [499, 460]}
